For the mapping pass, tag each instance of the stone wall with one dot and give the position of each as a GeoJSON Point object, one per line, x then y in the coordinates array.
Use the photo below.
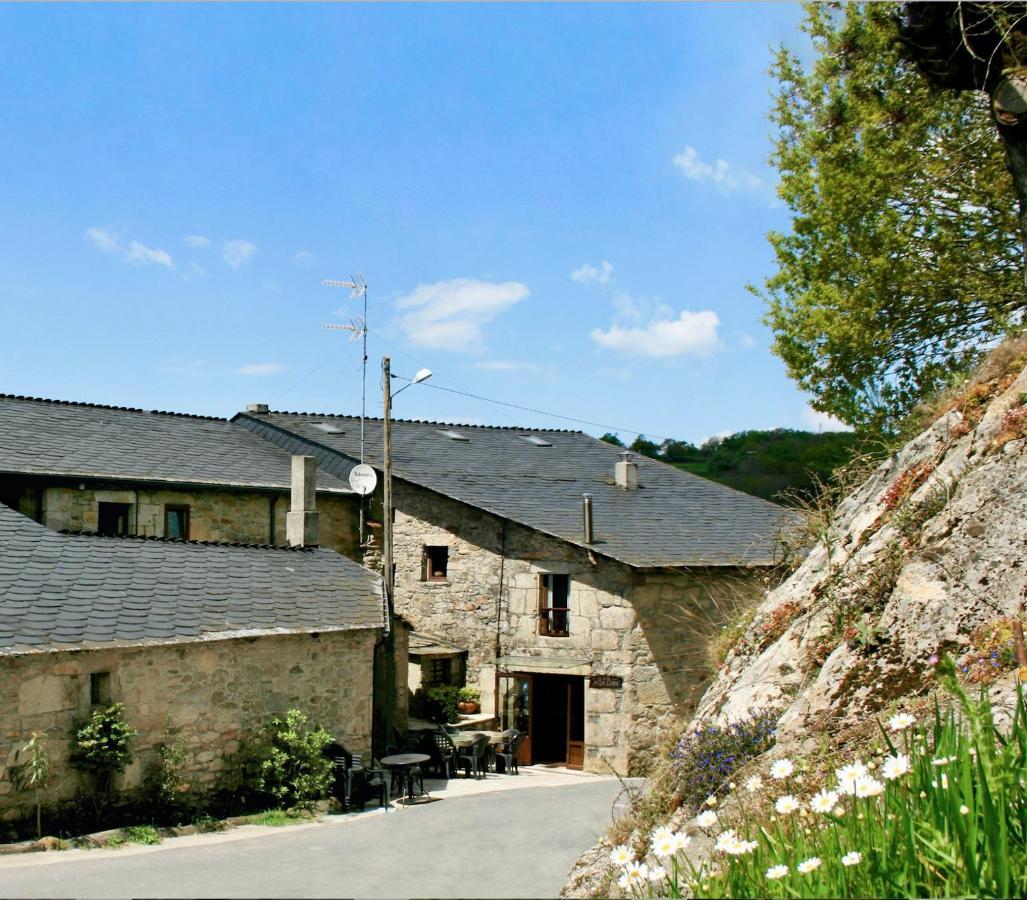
{"type": "Point", "coordinates": [648, 628]}
{"type": "Point", "coordinates": [216, 692]}
{"type": "Point", "coordinates": [214, 515]}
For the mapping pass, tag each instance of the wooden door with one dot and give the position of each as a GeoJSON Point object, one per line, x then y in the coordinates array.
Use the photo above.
{"type": "Point", "coordinates": [517, 698]}
{"type": "Point", "coordinates": [575, 723]}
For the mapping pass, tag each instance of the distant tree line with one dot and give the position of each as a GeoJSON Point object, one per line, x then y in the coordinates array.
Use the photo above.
{"type": "Point", "coordinates": [781, 465]}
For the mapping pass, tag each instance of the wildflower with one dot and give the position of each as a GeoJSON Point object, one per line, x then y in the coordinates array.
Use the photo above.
{"type": "Point", "coordinates": [823, 802]}
{"type": "Point", "coordinates": [711, 801]}
{"type": "Point", "coordinates": [895, 766]}
{"type": "Point", "coordinates": [753, 784]}
{"type": "Point", "coordinates": [847, 776]}
{"type": "Point", "coordinates": [868, 787]}
{"type": "Point", "coordinates": [838, 810]}
{"type": "Point", "coordinates": [809, 865]}
{"type": "Point", "coordinates": [964, 810]}
{"type": "Point", "coordinates": [786, 804]}
{"type": "Point", "coordinates": [620, 855]}
{"type": "Point", "coordinates": [664, 845]}
{"type": "Point", "coordinates": [727, 842]}
{"type": "Point", "coordinates": [730, 785]}
{"type": "Point", "coordinates": [657, 874]}
{"type": "Point", "coordinates": [943, 760]}
{"type": "Point", "coordinates": [923, 794]}
{"type": "Point", "coordinates": [681, 841]}
{"type": "Point", "coordinates": [901, 722]}
{"type": "Point", "coordinates": [635, 873]}
{"type": "Point", "coordinates": [852, 858]}
{"type": "Point", "coordinates": [775, 872]}
{"type": "Point", "coordinates": [933, 659]}
{"type": "Point", "coordinates": [781, 769]}
{"type": "Point", "coordinates": [706, 819]}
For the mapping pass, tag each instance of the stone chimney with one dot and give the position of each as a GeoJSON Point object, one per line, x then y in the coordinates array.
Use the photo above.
{"type": "Point", "coordinates": [256, 408]}
{"type": "Point", "coordinates": [625, 472]}
{"type": "Point", "coordinates": [301, 523]}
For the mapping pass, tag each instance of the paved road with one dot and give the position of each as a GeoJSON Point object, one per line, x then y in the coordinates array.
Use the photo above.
{"type": "Point", "coordinates": [518, 843]}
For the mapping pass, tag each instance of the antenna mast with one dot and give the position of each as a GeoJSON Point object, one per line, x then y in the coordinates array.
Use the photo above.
{"type": "Point", "coordinates": [358, 326]}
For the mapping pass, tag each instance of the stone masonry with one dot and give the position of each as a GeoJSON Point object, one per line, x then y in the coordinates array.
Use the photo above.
{"type": "Point", "coordinates": [217, 692]}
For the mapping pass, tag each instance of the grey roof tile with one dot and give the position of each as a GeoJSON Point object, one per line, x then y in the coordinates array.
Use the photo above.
{"type": "Point", "coordinates": [257, 588]}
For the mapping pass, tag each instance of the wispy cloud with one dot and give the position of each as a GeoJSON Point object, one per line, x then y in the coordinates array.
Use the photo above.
{"type": "Point", "coordinates": [503, 365]}
{"type": "Point", "coordinates": [719, 173]}
{"type": "Point", "coordinates": [719, 436]}
{"type": "Point", "coordinates": [259, 369]}
{"type": "Point", "coordinates": [196, 240]}
{"type": "Point", "coordinates": [238, 252]}
{"type": "Point", "coordinates": [303, 257]}
{"type": "Point", "coordinates": [589, 274]}
{"type": "Point", "coordinates": [821, 421]}
{"type": "Point", "coordinates": [133, 252]}
{"type": "Point", "coordinates": [452, 314]}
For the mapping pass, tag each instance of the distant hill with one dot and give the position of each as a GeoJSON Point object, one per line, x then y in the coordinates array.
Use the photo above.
{"type": "Point", "coordinates": [771, 464]}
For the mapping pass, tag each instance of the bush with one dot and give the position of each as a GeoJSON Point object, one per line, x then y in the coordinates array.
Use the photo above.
{"type": "Point", "coordinates": [438, 704]}
{"type": "Point", "coordinates": [295, 771]}
{"type": "Point", "coordinates": [706, 759]}
{"type": "Point", "coordinates": [468, 695]}
{"type": "Point", "coordinates": [100, 749]}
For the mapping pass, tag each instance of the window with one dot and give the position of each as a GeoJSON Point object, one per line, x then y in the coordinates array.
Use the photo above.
{"type": "Point", "coordinates": [176, 522]}
{"type": "Point", "coordinates": [553, 591]}
{"type": "Point", "coordinates": [435, 564]}
{"type": "Point", "coordinates": [112, 518]}
{"type": "Point", "coordinates": [436, 671]}
{"type": "Point", "coordinates": [100, 688]}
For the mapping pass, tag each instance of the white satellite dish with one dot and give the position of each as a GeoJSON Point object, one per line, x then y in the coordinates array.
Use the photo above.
{"type": "Point", "coordinates": [363, 479]}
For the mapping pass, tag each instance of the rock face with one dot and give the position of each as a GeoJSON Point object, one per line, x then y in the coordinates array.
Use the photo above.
{"type": "Point", "coordinates": [929, 549]}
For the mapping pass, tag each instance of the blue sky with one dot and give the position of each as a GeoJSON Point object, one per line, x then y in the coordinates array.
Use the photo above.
{"type": "Point", "coordinates": [555, 206]}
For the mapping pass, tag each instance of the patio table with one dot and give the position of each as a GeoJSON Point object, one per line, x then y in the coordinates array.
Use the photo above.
{"type": "Point", "coordinates": [467, 738]}
{"type": "Point", "coordinates": [405, 763]}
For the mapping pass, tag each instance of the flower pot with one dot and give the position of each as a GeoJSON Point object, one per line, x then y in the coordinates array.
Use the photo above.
{"type": "Point", "coordinates": [468, 707]}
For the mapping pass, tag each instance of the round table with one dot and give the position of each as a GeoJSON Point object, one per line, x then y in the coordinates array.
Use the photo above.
{"type": "Point", "coordinates": [405, 763]}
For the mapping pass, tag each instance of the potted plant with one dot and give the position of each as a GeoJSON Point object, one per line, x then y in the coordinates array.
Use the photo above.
{"type": "Point", "coordinates": [467, 700]}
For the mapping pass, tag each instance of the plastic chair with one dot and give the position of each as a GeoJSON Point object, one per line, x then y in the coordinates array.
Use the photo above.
{"type": "Point", "coordinates": [443, 752]}
{"type": "Point", "coordinates": [375, 783]}
{"type": "Point", "coordinates": [508, 752]}
{"type": "Point", "coordinates": [473, 757]}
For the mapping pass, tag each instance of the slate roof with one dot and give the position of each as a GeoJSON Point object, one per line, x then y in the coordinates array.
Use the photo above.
{"type": "Point", "coordinates": [673, 519]}
{"type": "Point", "coordinates": [62, 591]}
{"type": "Point", "coordinates": [85, 440]}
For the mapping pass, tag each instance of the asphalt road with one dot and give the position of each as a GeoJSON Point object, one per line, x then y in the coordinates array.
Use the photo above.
{"type": "Point", "coordinates": [517, 843]}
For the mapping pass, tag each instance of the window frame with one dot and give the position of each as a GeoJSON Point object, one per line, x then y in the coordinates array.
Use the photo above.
{"type": "Point", "coordinates": [428, 567]}
{"type": "Point", "coordinates": [100, 504]}
{"type": "Point", "coordinates": [100, 689]}
{"type": "Point", "coordinates": [181, 509]}
{"type": "Point", "coordinates": [550, 613]}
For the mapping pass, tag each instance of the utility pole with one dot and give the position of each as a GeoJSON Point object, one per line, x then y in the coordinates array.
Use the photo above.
{"type": "Point", "coordinates": [389, 646]}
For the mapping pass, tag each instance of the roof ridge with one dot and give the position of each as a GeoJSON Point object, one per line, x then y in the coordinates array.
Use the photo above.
{"type": "Point", "coordinates": [517, 428]}
{"type": "Point", "coordinates": [166, 540]}
{"type": "Point", "coordinates": [135, 409]}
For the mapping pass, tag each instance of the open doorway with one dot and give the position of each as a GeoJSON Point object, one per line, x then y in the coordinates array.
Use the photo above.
{"type": "Point", "coordinates": [550, 709]}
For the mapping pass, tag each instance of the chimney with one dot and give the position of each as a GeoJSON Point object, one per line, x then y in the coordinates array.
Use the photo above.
{"type": "Point", "coordinates": [625, 473]}
{"type": "Point", "coordinates": [301, 520]}
{"type": "Point", "coordinates": [256, 408]}
{"type": "Point", "coordinates": [586, 516]}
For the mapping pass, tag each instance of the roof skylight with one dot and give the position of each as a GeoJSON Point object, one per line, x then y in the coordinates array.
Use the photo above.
{"type": "Point", "coordinates": [453, 435]}
{"type": "Point", "coordinates": [535, 440]}
{"type": "Point", "coordinates": [328, 427]}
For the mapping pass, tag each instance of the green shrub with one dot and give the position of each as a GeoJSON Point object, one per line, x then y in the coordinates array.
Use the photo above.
{"type": "Point", "coordinates": [438, 704]}
{"type": "Point", "coordinates": [34, 773]}
{"type": "Point", "coordinates": [142, 834]}
{"type": "Point", "coordinates": [100, 749]}
{"type": "Point", "coordinates": [295, 771]}
{"type": "Point", "coordinates": [468, 695]}
{"type": "Point", "coordinates": [166, 784]}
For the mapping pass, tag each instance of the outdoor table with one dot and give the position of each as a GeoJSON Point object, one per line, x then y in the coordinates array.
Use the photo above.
{"type": "Point", "coordinates": [405, 762]}
{"type": "Point", "coordinates": [466, 739]}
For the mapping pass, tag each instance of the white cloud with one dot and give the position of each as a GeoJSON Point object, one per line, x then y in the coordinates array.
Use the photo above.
{"type": "Point", "coordinates": [451, 314]}
{"type": "Point", "coordinates": [196, 240]}
{"type": "Point", "coordinates": [303, 257]}
{"type": "Point", "coordinates": [237, 252]}
{"type": "Point", "coordinates": [821, 421]}
{"type": "Point", "coordinates": [588, 274]}
{"type": "Point", "coordinates": [501, 365]}
{"type": "Point", "coordinates": [689, 334]}
{"type": "Point", "coordinates": [719, 436]}
{"type": "Point", "coordinates": [745, 341]}
{"type": "Point", "coordinates": [136, 253]}
{"type": "Point", "coordinates": [258, 369]}
{"type": "Point", "coordinates": [720, 173]}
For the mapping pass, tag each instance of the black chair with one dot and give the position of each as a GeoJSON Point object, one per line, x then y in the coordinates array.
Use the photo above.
{"type": "Point", "coordinates": [473, 757]}
{"type": "Point", "coordinates": [375, 784]}
{"type": "Point", "coordinates": [507, 752]}
{"type": "Point", "coordinates": [346, 768]}
{"type": "Point", "coordinates": [443, 753]}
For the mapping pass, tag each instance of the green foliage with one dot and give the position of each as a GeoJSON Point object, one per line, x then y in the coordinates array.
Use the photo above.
{"type": "Point", "coordinates": [100, 746]}
{"type": "Point", "coordinates": [643, 445]}
{"type": "Point", "coordinates": [611, 438]}
{"type": "Point", "coordinates": [991, 653]}
{"type": "Point", "coordinates": [469, 695]}
{"type": "Point", "coordinates": [166, 782]}
{"type": "Point", "coordinates": [439, 704]}
{"type": "Point", "coordinates": [295, 771]}
{"type": "Point", "coordinates": [142, 834]}
{"type": "Point", "coordinates": [939, 811]}
{"type": "Point", "coordinates": [34, 773]}
{"type": "Point", "coordinates": [278, 817]}
{"type": "Point", "coordinates": [904, 253]}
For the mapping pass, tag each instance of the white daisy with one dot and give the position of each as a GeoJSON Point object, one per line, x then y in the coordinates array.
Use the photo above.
{"type": "Point", "coordinates": [620, 855]}
{"type": "Point", "coordinates": [964, 810]}
{"type": "Point", "coordinates": [781, 769]}
{"type": "Point", "coordinates": [847, 776]}
{"type": "Point", "coordinates": [868, 787]}
{"type": "Point", "coordinates": [681, 841]}
{"type": "Point", "coordinates": [636, 873]}
{"type": "Point", "coordinates": [809, 865]}
{"type": "Point", "coordinates": [664, 844]}
{"type": "Point", "coordinates": [852, 858]}
{"type": "Point", "coordinates": [727, 842]}
{"type": "Point", "coordinates": [753, 784]}
{"type": "Point", "coordinates": [824, 801]}
{"type": "Point", "coordinates": [786, 804]}
{"type": "Point", "coordinates": [706, 819]}
{"type": "Point", "coordinates": [775, 872]}
{"type": "Point", "coordinates": [895, 766]}
{"type": "Point", "coordinates": [657, 874]}
{"type": "Point", "coordinates": [901, 722]}
{"type": "Point", "coordinates": [711, 801]}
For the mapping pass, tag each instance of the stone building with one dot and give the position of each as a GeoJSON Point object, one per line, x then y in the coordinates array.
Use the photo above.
{"type": "Point", "coordinates": [576, 585]}
{"type": "Point", "coordinates": [200, 638]}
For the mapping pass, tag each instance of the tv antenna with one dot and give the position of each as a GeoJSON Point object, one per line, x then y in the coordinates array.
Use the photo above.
{"type": "Point", "coordinates": [358, 328]}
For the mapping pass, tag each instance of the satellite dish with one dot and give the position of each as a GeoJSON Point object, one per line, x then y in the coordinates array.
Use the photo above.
{"type": "Point", "coordinates": [363, 479]}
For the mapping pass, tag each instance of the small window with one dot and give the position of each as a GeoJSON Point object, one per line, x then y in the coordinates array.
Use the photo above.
{"type": "Point", "coordinates": [553, 592]}
{"type": "Point", "coordinates": [100, 688]}
{"type": "Point", "coordinates": [176, 522]}
{"type": "Point", "coordinates": [112, 518]}
{"type": "Point", "coordinates": [436, 671]}
{"type": "Point", "coordinates": [436, 564]}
